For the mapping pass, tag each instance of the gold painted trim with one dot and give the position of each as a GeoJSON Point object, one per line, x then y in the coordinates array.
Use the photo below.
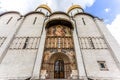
{"type": "Point", "coordinates": [45, 7]}
{"type": "Point", "coordinates": [73, 7]}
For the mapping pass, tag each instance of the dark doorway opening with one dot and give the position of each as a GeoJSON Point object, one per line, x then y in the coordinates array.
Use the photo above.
{"type": "Point", "coordinates": [59, 69]}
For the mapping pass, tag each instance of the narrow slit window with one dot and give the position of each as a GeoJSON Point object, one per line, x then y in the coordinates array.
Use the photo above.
{"type": "Point", "coordinates": [102, 65]}
{"type": "Point", "coordinates": [35, 20]}
{"type": "Point", "coordinates": [2, 39]}
{"type": "Point", "coordinates": [83, 21]}
{"type": "Point", "coordinates": [91, 43]}
{"type": "Point", "coordinates": [26, 42]}
{"type": "Point", "coordinates": [9, 20]}
{"type": "Point", "coordinates": [71, 13]}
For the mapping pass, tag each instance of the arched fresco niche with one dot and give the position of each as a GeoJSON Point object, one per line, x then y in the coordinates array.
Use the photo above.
{"type": "Point", "coordinates": [59, 52]}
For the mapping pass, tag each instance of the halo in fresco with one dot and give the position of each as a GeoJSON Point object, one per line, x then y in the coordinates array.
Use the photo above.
{"type": "Point", "coordinates": [59, 30]}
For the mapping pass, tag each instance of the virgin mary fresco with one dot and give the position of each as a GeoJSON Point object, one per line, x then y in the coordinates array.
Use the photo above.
{"type": "Point", "coordinates": [59, 31]}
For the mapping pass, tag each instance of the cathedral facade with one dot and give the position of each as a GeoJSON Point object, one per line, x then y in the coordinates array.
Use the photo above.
{"type": "Point", "coordinates": [57, 45]}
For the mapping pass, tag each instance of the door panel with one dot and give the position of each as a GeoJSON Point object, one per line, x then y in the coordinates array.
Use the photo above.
{"type": "Point", "coordinates": [59, 69]}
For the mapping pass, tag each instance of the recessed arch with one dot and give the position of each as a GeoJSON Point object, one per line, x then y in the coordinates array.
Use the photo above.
{"type": "Point", "coordinates": [60, 66]}
{"type": "Point", "coordinates": [59, 49]}
{"type": "Point", "coordinates": [64, 22]}
{"type": "Point", "coordinates": [59, 12]}
{"type": "Point", "coordinates": [56, 56]}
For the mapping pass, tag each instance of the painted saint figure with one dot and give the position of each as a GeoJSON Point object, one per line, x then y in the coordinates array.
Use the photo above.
{"type": "Point", "coordinates": [50, 31]}
{"type": "Point", "coordinates": [59, 31]}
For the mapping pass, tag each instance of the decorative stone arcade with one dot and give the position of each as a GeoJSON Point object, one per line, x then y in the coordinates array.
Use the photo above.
{"type": "Point", "coordinates": [59, 58]}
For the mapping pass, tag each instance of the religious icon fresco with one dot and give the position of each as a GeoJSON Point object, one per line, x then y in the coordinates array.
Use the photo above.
{"type": "Point", "coordinates": [59, 30]}
{"type": "Point", "coordinates": [59, 59]}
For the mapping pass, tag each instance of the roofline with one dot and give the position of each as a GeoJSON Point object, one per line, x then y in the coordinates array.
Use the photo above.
{"type": "Point", "coordinates": [58, 20]}
{"type": "Point", "coordinates": [10, 12]}
{"type": "Point", "coordinates": [59, 12]}
{"type": "Point", "coordinates": [85, 14]}
{"type": "Point", "coordinates": [33, 13]}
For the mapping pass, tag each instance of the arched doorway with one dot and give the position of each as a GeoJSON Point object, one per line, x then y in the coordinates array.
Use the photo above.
{"type": "Point", "coordinates": [59, 59]}
{"type": "Point", "coordinates": [59, 66]}
{"type": "Point", "coordinates": [59, 69]}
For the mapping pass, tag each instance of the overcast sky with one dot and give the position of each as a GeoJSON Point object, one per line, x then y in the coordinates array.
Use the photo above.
{"type": "Point", "coordinates": [109, 10]}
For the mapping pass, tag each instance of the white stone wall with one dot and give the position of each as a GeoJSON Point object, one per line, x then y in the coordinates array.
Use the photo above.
{"type": "Point", "coordinates": [75, 11]}
{"type": "Point", "coordinates": [91, 56]}
{"type": "Point", "coordinates": [9, 23]}
{"type": "Point", "coordinates": [19, 63]}
{"type": "Point", "coordinates": [24, 63]}
{"type": "Point", "coordinates": [59, 16]}
{"type": "Point", "coordinates": [92, 67]}
{"type": "Point", "coordinates": [89, 28]}
{"type": "Point", "coordinates": [30, 28]}
{"type": "Point", "coordinates": [112, 43]}
{"type": "Point", "coordinates": [5, 29]}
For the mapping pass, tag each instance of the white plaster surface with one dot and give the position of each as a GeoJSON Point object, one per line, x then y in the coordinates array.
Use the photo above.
{"type": "Point", "coordinates": [87, 30]}
{"type": "Point", "coordinates": [30, 29]}
{"type": "Point", "coordinates": [59, 16]}
{"type": "Point", "coordinates": [112, 43]}
{"type": "Point", "coordinates": [92, 67]}
{"type": "Point", "coordinates": [5, 29]}
{"type": "Point", "coordinates": [17, 64]}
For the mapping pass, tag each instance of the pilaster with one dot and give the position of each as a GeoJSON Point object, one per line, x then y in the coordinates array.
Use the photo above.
{"type": "Point", "coordinates": [9, 39]}
{"type": "Point", "coordinates": [38, 62]}
{"type": "Point", "coordinates": [79, 57]}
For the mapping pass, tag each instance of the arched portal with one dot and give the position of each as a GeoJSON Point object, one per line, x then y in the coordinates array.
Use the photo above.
{"type": "Point", "coordinates": [59, 58]}
{"type": "Point", "coordinates": [59, 66]}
